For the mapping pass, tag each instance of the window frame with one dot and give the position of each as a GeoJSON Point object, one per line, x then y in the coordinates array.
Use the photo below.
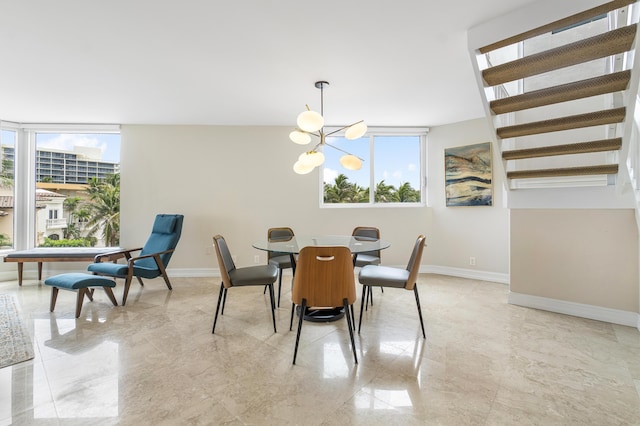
{"type": "Point", "coordinates": [372, 132]}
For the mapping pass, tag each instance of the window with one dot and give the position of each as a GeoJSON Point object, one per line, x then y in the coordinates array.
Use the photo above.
{"type": "Point", "coordinates": [86, 216]}
{"type": "Point", "coordinates": [392, 173]}
{"type": "Point", "coordinates": [7, 187]}
{"type": "Point", "coordinates": [51, 199]}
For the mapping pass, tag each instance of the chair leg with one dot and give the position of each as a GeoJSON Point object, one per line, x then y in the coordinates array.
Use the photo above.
{"type": "Point", "coordinates": [415, 291]}
{"type": "Point", "coordinates": [364, 292]}
{"type": "Point", "coordinates": [163, 271]}
{"type": "Point", "coordinates": [303, 307]}
{"type": "Point", "coordinates": [89, 294]}
{"type": "Point", "coordinates": [353, 318]}
{"type": "Point", "coordinates": [345, 302]}
{"type": "Point", "coordinates": [127, 285]}
{"type": "Point", "coordinates": [293, 308]}
{"type": "Point", "coordinates": [273, 314]}
{"type": "Point", "coordinates": [215, 320]}
{"type": "Point", "coordinates": [80, 299]}
{"type": "Point", "coordinates": [54, 297]}
{"type": "Point", "coordinates": [110, 295]}
{"type": "Point", "coordinates": [279, 286]}
{"type": "Point", "coordinates": [224, 301]}
{"type": "Point", "coordinates": [140, 281]}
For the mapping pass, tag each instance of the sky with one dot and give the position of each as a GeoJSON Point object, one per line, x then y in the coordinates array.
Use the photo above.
{"type": "Point", "coordinates": [396, 160]}
{"type": "Point", "coordinates": [109, 143]}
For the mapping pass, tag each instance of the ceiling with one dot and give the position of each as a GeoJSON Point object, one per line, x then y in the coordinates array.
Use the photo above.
{"type": "Point", "coordinates": [243, 62]}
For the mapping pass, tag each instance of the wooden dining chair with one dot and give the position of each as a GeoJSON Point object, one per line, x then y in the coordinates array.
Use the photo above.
{"type": "Point", "coordinates": [324, 278]}
{"type": "Point", "coordinates": [259, 275]}
{"type": "Point", "coordinates": [385, 276]}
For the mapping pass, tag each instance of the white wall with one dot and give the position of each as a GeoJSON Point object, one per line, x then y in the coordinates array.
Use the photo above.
{"type": "Point", "coordinates": [238, 181]}
{"type": "Point", "coordinates": [458, 233]}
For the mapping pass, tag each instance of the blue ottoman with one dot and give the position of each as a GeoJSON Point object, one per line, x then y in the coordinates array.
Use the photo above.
{"type": "Point", "coordinates": [81, 283]}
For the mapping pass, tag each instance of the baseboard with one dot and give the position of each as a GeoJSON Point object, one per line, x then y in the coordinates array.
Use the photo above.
{"type": "Point", "coordinates": [193, 272]}
{"type": "Point", "coordinates": [473, 274]}
{"type": "Point", "coordinates": [614, 316]}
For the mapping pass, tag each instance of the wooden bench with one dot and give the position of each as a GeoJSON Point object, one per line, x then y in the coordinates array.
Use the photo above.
{"type": "Point", "coordinates": [65, 254]}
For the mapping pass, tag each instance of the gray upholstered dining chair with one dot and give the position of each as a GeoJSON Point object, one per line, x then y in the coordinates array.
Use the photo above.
{"type": "Point", "coordinates": [280, 260]}
{"type": "Point", "coordinates": [152, 260]}
{"type": "Point", "coordinates": [385, 276]}
{"type": "Point", "coordinates": [369, 257]}
{"type": "Point", "coordinates": [324, 278]}
{"type": "Point", "coordinates": [260, 275]}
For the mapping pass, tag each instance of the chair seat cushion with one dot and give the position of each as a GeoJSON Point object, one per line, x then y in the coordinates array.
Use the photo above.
{"type": "Point", "coordinates": [78, 280]}
{"type": "Point", "coordinates": [383, 276]}
{"type": "Point", "coordinates": [254, 275]}
{"type": "Point", "coordinates": [366, 259]}
{"type": "Point", "coordinates": [282, 262]}
{"type": "Point", "coordinates": [108, 268]}
{"type": "Point", "coordinates": [119, 270]}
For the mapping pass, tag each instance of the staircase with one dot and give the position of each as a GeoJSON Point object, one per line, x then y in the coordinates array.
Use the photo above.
{"type": "Point", "coordinates": [562, 108]}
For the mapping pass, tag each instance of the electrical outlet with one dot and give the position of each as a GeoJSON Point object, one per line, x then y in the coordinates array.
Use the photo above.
{"type": "Point", "coordinates": [256, 259]}
{"type": "Point", "coordinates": [208, 250]}
{"type": "Point", "coordinates": [472, 261]}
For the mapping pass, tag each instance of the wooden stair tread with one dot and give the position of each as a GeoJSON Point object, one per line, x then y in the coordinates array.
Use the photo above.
{"type": "Point", "coordinates": [608, 83]}
{"type": "Point", "coordinates": [606, 169]}
{"type": "Point", "coordinates": [597, 118]}
{"type": "Point", "coordinates": [561, 23]}
{"type": "Point", "coordinates": [572, 148]}
{"type": "Point", "coordinates": [599, 46]}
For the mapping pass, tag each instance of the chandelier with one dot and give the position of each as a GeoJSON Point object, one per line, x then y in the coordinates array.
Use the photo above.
{"type": "Point", "coordinates": [312, 123]}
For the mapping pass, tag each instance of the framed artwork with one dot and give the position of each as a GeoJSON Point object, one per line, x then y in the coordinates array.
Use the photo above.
{"type": "Point", "coordinates": [468, 178]}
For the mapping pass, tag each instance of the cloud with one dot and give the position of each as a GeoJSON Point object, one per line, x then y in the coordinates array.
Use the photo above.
{"type": "Point", "coordinates": [66, 142]}
{"type": "Point", "coordinates": [330, 175]}
{"type": "Point", "coordinates": [412, 167]}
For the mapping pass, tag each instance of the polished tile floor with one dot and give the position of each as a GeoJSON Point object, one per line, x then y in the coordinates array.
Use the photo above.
{"type": "Point", "coordinates": [155, 361]}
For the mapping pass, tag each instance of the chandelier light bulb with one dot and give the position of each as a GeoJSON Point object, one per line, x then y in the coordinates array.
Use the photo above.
{"type": "Point", "coordinates": [301, 168]}
{"type": "Point", "coordinates": [351, 162]}
{"type": "Point", "coordinates": [312, 158]}
{"type": "Point", "coordinates": [300, 137]}
{"type": "Point", "coordinates": [310, 121]}
{"type": "Point", "coordinates": [356, 131]}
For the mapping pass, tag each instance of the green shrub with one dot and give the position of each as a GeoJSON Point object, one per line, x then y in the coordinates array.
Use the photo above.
{"type": "Point", "coordinates": [79, 242]}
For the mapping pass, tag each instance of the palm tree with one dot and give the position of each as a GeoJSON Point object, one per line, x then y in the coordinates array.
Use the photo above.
{"type": "Point", "coordinates": [105, 208]}
{"type": "Point", "coordinates": [71, 205]}
{"type": "Point", "coordinates": [406, 194]}
{"type": "Point", "coordinates": [6, 174]}
{"type": "Point", "coordinates": [386, 193]}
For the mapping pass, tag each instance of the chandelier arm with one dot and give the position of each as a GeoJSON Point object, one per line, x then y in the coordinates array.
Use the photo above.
{"type": "Point", "coordinates": [345, 127]}
{"type": "Point", "coordinates": [342, 150]}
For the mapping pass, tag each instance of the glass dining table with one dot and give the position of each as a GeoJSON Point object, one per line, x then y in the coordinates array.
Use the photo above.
{"type": "Point", "coordinates": [293, 244]}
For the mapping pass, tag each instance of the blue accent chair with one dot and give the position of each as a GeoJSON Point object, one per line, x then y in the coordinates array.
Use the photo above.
{"type": "Point", "coordinates": [153, 258]}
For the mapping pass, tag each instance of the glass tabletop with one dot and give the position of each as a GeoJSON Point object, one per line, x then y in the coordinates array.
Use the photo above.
{"type": "Point", "coordinates": [295, 244]}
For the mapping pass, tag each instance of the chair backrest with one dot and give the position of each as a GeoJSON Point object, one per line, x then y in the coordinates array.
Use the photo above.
{"type": "Point", "coordinates": [324, 277]}
{"type": "Point", "coordinates": [165, 235]}
{"type": "Point", "coordinates": [225, 260]}
{"type": "Point", "coordinates": [368, 232]}
{"type": "Point", "coordinates": [278, 234]}
{"type": "Point", "coordinates": [414, 262]}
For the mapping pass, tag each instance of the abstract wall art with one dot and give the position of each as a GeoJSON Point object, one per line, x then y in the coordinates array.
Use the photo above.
{"type": "Point", "coordinates": [468, 179]}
